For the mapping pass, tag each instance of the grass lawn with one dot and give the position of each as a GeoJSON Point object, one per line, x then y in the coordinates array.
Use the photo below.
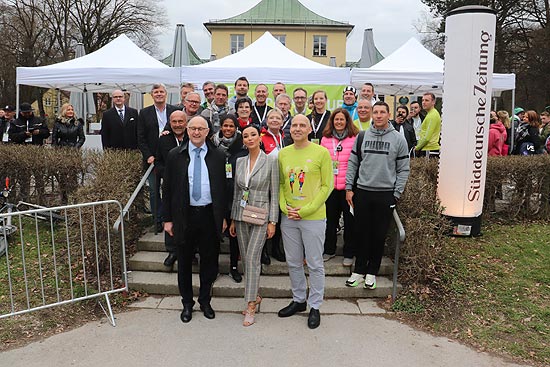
{"type": "Point", "coordinates": [492, 292]}
{"type": "Point", "coordinates": [52, 273]}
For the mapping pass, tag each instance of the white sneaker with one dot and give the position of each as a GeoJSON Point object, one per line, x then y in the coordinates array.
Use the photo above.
{"type": "Point", "coordinates": [370, 281]}
{"type": "Point", "coordinates": [347, 261]}
{"type": "Point", "coordinates": [355, 279]}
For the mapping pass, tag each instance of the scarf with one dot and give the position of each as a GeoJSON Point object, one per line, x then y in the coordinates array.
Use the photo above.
{"type": "Point", "coordinates": [224, 143]}
{"type": "Point", "coordinates": [341, 136]}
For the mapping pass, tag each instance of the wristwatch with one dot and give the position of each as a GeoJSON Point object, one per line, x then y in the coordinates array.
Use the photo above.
{"type": "Point", "coordinates": [274, 223]}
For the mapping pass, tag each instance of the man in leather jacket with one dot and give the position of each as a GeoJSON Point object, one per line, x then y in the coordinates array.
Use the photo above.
{"type": "Point", "coordinates": [28, 128]}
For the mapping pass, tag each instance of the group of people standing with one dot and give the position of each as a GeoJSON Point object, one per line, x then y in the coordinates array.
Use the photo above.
{"type": "Point", "coordinates": [256, 172]}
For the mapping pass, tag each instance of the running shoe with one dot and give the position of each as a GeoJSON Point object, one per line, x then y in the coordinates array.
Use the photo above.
{"type": "Point", "coordinates": [355, 279]}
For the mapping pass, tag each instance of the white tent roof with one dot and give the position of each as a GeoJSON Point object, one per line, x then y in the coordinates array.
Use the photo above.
{"type": "Point", "coordinates": [412, 69]}
{"type": "Point", "coordinates": [266, 61]}
{"type": "Point", "coordinates": [120, 64]}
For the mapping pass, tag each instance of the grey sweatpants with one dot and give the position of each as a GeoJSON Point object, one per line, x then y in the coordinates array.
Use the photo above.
{"type": "Point", "coordinates": [305, 236]}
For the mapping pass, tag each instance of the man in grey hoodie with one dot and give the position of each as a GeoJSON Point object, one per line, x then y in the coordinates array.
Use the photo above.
{"type": "Point", "coordinates": [378, 170]}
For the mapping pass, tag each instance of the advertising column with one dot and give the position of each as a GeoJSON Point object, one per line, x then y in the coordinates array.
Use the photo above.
{"type": "Point", "coordinates": [467, 87]}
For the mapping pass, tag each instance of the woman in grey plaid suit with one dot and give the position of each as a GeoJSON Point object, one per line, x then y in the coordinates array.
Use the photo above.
{"type": "Point", "coordinates": [256, 184]}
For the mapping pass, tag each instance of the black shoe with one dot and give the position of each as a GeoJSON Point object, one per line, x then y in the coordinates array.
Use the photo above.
{"type": "Point", "coordinates": [234, 273]}
{"type": "Point", "coordinates": [187, 313]}
{"type": "Point", "coordinates": [292, 308]}
{"type": "Point", "coordinates": [314, 319]}
{"type": "Point", "coordinates": [265, 257]}
{"type": "Point", "coordinates": [160, 227]}
{"type": "Point", "coordinates": [208, 311]}
{"type": "Point", "coordinates": [170, 259]}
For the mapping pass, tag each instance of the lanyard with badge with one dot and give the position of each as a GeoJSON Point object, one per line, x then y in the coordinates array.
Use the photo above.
{"type": "Point", "coordinates": [228, 168]}
{"type": "Point", "coordinates": [246, 191]}
{"type": "Point", "coordinates": [278, 139]}
{"type": "Point", "coordinates": [29, 138]}
{"type": "Point", "coordinates": [286, 122]}
{"type": "Point", "coordinates": [5, 136]}
{"type": "Point", "coordinates": [335, 162]}
{"type": "Point", "coordinates": [258, 114]}
{"type": "Point", "coordinates": [316, 128]}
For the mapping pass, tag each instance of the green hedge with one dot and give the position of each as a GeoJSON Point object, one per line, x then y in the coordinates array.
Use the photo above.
{"type": "Point", "coordinates": [517, 189]}
{"type": "Point", "coordinates": [57, 176]}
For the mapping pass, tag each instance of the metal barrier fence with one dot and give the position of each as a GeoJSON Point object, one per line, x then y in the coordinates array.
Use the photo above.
{"type": "Point", "coordinates": [61, 255]}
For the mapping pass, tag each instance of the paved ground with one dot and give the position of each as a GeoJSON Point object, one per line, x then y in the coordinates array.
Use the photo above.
{"type": "Point", "coordinates": [152, 335]}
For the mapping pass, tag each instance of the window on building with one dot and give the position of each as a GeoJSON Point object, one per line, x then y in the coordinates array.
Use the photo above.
{"type": "Point", "coordinates": [48, 101]}
{"type": "Point", "coordinates": [281, 38]}
{"type": "Point", "coordinates": [237, 42]}
{"type": "Point", "coordinates": [319, 45]}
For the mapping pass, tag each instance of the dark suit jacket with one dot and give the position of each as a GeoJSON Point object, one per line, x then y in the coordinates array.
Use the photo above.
{"type": "Point", "coordinates": [115, 134]}
{"type": "Point", "coordinates": [166, 144]}
{"type": "Point", "coordinates": [175, 188]}
{"type": "Point", "coordinates": [148, 130]}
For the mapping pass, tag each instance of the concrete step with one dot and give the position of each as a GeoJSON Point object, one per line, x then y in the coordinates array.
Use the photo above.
{"type": "Point", "coordinates": [153, 261]}
{"type": "Point", "coordinates": [155, 242]}
{"type": "Point", "coordinates": [270, 286]}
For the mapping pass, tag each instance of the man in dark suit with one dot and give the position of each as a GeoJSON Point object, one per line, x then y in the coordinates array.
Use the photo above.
{"type": "Point", "coordinates": [195, 197]}
{"type": "Point", "coordinates": [152, 121]}
{"type": "Point", "coordinates": [167, 142]}
{"type": "Point", "coordinates": [119, 125]}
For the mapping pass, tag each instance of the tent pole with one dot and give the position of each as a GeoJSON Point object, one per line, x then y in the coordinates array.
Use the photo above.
{"type": "Point", "coordinates": [16, 100]}
{"type": "Point", "coordinates": [512, 128]}
{"type": "Point", "coordinates": [58, 97]}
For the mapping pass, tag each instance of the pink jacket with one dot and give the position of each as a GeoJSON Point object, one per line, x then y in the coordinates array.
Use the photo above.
{"type": "Point", "coordinates": [341, 156]}
{"type": "Point", "coordinates": [497, 137]}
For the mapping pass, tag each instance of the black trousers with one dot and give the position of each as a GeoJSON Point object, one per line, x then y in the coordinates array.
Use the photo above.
{"type": "Point", "coordinates": [234, 252]}
{"type": "Point", "coordinates": [335, 205]}
{"type": "Point", "coordinates": [201, 233]}
{"type": "Point", "coordinates": [373, 214]}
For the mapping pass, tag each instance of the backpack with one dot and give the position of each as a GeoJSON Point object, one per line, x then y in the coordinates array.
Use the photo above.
{"type": "Point", "coordinates": [360, 138]}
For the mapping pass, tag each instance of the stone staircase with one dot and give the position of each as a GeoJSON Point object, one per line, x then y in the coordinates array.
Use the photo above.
{"type": "Point", "coordinates": [148, 273]}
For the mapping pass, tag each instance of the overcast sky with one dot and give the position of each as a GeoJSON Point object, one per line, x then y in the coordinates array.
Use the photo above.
{"type": "Point", "coordinates": [392, 21]}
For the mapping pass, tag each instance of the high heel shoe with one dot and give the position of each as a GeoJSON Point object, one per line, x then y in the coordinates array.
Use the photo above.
{"type": "Point", "coordinates": [257, 303]}
{"type": "Point", "coordinates": [249, 317]}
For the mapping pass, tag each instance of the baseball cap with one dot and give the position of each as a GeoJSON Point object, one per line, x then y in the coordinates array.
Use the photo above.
{"type": "Point", "coordinates": [25, 107]}
{"type": "Point", "coordinates": [9, 108]}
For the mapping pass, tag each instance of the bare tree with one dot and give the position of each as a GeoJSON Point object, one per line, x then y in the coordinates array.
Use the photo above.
{"type": "Point", "coordinates": [521, 43]}
{"type": "Point", "coordinates": [43, 32]}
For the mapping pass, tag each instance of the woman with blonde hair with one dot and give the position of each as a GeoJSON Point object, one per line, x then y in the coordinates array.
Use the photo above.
{"type": "Point", "coordinates": [68, 130]}
{"type": "Point", "coordinates": [504, 118]}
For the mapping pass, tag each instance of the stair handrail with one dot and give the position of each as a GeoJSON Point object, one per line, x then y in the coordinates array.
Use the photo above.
{"type": "Point", "coordinates": [133, 197]}
{"type": "Point", "coordinates": [399, 240]}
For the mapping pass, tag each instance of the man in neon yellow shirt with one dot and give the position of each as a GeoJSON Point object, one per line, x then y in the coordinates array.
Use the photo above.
{"type": "Point", "coordinates": [306, 181]}
{"type": "Point", "coordinates": [364, 115]}
{"type": "Point", "coordinates": [428, 144]}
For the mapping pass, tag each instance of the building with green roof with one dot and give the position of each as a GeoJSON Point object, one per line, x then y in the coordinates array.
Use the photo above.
{"type": "Point", "coordinates": [298, 28]}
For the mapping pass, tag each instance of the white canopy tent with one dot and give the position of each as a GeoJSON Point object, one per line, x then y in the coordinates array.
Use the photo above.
{"type": "Point", "coordinates": [266, 61]}
{"type": "Point", "coordinates": [120, 64]}
{"type": "Point", "coordinates": [412, 69]}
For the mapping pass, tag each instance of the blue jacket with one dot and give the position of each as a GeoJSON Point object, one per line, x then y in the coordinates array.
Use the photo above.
{"type": "Point", "coordinates": [352, 109]}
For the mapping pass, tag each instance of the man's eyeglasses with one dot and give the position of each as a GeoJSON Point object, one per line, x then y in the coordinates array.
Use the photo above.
{"type": "Point", "coordinates": [199, 129]}
{"type": "Point", "coordinates": [194, 102]}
